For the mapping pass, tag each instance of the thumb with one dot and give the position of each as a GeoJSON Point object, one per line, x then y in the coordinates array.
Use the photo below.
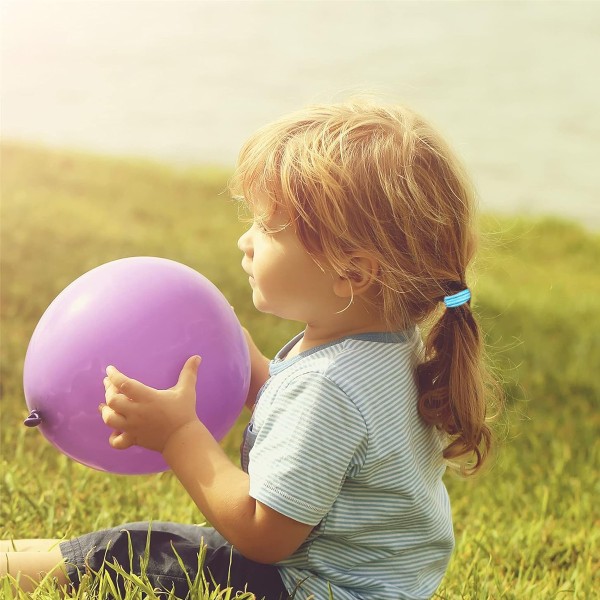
{"type": "Point", "coordinates": [189, 373]}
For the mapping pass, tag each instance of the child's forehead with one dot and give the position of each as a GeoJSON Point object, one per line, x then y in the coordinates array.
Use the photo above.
{"type": "Point", "coordinates": [263, 204]}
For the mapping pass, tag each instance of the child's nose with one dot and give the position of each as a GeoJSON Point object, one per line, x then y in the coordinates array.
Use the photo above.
{"type": "Point", "coordinates": [245, 243]}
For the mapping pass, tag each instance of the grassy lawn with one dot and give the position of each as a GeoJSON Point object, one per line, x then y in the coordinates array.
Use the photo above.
{"type": "Point", "coordinates": [527, 528]}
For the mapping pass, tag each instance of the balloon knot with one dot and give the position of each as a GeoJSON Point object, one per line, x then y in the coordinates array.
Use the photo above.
{"type": "Point", "coordinates": [33, 420]}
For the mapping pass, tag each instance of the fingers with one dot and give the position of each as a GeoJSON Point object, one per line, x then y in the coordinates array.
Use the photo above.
{"type": "Point", "coordinates": [118, 402]}
{"type": "Point", "coordinates": [116, 405]}
{"type": "Point", "coordinates": [111, 418]}
{"type": "Point", "coordinates": [121, 441]}
{"type": "Point", "coordinates": [133, 389]}
{"type": "Point", "coordinates": [189, 373]}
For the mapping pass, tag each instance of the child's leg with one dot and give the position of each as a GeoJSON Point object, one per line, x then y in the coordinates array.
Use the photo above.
{"type": "Point", "coordinates": [159, 545]}
{"type": "Point", "coordinates": [32, 561]}
{"type": "Point", "coordinates": [28, 545]}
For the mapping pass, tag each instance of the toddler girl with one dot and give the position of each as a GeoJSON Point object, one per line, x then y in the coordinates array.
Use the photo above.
{"type": "Point", "coordinates": [362, 230]}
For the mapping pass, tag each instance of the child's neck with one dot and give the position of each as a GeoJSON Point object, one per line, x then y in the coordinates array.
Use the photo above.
{"type": "Point", "coordinates": [317, 334]}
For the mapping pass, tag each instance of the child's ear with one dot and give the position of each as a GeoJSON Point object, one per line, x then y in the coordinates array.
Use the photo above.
{"type": "Point", "coordinates": [360, 274]}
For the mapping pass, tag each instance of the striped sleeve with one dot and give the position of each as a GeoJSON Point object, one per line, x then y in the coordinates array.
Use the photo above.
{"type": "Point", "coordinates": [312, 437]}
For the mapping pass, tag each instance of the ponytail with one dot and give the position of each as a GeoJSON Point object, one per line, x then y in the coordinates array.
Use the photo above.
{"type": "Point", "coordinates": [453, 387]}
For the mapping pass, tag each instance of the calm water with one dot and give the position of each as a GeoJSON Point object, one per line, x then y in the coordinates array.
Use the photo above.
{"type": "Point", "coordinates": [512, 84]}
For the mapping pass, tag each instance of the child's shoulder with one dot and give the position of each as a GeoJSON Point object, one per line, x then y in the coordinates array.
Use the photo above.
{"type": "Point", "coordinates": [352, 369]}
{"type": "Point", "coordinates": [365, 358]}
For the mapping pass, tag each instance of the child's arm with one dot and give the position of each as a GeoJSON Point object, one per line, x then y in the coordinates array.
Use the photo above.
{"type": "Point", "coordinates": [259, 367]}
{"type": "Point", "coordinates": [221, 492]}
{"type": "Point", "coordinates": [166, 421]}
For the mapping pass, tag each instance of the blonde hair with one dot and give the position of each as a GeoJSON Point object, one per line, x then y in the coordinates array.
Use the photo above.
{"type": "Point", "coordinates": [371, 178]}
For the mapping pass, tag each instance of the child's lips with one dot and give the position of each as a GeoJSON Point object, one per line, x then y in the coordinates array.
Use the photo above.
{"type": "Point", "coordinates": [247, 270]}
{"type": "Point", "coordinates": [250, 276]}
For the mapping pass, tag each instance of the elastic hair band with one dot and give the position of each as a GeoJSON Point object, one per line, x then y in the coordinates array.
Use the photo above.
{"type": "Point", "coordinates": [457, 299]}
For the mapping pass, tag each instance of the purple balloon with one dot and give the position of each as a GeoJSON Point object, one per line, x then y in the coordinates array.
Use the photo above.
{"type": "Point", "coordinates": [146, 316]}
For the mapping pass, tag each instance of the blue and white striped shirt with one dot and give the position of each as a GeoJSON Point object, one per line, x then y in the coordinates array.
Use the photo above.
{"type": "Point", "coordinates": [336, 441]}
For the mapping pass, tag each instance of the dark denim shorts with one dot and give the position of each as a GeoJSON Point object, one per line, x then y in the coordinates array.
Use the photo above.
{"type": "Point", "coordinates": [127, 544]}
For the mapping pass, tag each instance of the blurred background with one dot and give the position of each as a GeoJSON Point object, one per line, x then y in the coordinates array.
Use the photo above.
{"type": "Point", "coordinates": [510, 83]}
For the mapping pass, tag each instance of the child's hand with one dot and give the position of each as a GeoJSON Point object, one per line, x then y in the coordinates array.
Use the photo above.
{"type": "Point", "coordinates": [144, 416]}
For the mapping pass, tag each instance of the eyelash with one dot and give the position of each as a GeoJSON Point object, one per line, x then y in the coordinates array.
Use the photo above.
{"type": "Point", "coordinates": [262, 227]}
{"type": "Point", "coordinates": [265, 229]}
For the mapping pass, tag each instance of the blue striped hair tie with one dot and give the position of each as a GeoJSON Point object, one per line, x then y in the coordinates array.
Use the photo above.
{"type": "Point", "coordinates": [457, 299]}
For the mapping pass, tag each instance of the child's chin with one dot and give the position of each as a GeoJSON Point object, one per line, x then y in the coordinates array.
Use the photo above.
{"type": "Point", "coordinates": [263, 306]}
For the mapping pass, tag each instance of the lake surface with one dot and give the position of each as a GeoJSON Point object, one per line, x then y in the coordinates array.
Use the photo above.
{"type": "Point", "coordinates": [514, 85]}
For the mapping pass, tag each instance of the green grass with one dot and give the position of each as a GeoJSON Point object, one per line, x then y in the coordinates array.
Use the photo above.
{"type": "Point", "coordinates": [527, 528]}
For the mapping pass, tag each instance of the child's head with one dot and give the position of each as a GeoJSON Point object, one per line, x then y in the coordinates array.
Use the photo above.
{"type": "Point", "coordinates": [361, 177]}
